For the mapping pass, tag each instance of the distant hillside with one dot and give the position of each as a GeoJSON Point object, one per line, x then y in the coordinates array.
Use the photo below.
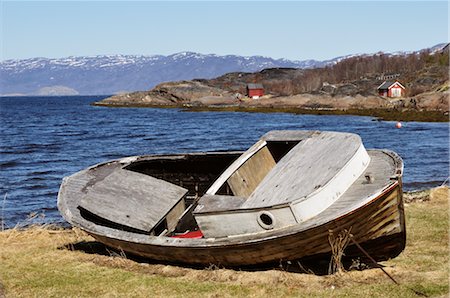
{"type": "Point", "coordinates": [101, 75]}
{"type": "Point", "coordinates": [124, 73]}
{"type": "Point", "coordinates": [420, 72]}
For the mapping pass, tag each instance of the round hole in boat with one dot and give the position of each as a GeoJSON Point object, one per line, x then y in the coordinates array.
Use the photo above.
{"type": "Point", "coordinates": [266, 220]}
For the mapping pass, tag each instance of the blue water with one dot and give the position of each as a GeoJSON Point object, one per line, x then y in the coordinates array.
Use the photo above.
{"type": "Point", "coordinates": [44, 139]}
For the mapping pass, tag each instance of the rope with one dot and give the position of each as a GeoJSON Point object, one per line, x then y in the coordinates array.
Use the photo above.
{"type": "Point", "coordinates": [370, 258]}
{"type": "Point", "coordinates": [382, 269]}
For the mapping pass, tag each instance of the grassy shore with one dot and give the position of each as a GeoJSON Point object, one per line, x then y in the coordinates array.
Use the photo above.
{"type": "Point", "coordinates": [382, 114]}
{"type": "Point", "coordinates": [42, 262]}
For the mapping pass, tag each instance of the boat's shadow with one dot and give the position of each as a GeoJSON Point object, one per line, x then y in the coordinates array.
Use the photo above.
{"type": "Point", "coordinates": [317, 265]}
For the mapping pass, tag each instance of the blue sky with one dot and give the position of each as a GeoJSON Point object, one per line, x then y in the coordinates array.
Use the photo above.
{"type": "Point", "coordinates": [295, 30]}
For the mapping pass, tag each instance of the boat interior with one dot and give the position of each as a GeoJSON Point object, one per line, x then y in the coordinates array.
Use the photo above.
{"type": "Point", "coordinates": [194, 172]}
{"type": "Point", "coordinates": [198, 172]}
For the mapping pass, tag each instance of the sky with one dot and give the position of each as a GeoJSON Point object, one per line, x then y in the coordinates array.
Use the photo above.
{"type": "Point", "coordinates": [296, 30]}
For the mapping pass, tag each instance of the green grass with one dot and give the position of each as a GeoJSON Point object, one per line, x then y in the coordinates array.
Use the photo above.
{"type": "Point", "coordinates": [33, 263]}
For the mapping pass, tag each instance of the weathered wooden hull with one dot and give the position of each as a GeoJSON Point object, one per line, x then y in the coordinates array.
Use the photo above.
{"type": "Point", "coordinates": [140, 204]}
{"type": "Point", "coordinates": [378, 226]}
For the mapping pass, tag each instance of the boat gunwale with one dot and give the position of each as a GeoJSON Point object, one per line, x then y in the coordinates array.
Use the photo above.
{"type": "Point", "coordinates": [126, 161]}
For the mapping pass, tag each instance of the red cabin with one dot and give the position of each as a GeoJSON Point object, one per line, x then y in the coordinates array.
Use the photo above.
{"type": "Point", "coordinates": [391, 89]}
{"type": "Point", "coordinates": [255, 90]}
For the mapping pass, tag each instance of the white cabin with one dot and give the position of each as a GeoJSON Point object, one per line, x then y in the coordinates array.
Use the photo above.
{"type": "Point", "coordinates": [287, 177]}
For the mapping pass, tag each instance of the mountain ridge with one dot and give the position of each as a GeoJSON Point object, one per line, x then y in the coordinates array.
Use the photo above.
{"type": "Point", "coordinates": [112, 74]}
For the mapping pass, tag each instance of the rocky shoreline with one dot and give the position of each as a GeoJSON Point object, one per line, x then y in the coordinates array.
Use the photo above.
{"type": "Point", "coordinates": [197, 96]}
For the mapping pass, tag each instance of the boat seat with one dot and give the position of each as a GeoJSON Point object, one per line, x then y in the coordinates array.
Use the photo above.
{"type": "Point", "coordinates": [218, 203]}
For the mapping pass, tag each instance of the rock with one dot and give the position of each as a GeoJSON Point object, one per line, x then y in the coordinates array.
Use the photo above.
{"type": "Point", "coordinates": [434, 194]}
{"type": "Point", "coordinates": [427, 81]}
{"type": "Point", "coordinates": [347, 89]}
{"type": "Point", "coordinates": [438, 101]}
{"type": "Point", "coordinates": [328, 88]}
{"type": "Point", "coordinates": [184, 91]}
{"type": "Point", "coordinates": [416, 196]}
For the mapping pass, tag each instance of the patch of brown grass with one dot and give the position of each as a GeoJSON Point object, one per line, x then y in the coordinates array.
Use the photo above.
{"type": "Point", "coordinates": [34, 262]}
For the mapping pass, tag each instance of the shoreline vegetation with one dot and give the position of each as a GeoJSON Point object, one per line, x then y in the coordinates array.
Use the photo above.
{"type": "Point", "coordinates": [378, 113]}
{"type": "Point", "coordinates": [51, 261]}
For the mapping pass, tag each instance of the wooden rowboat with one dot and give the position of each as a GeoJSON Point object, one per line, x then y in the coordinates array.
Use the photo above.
{"type": "Point", "coordinates": [278, 201]}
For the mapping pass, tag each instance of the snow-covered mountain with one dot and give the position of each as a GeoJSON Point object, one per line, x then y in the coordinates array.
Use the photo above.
{"type": "Point", "coordinates": [123, 73]}
{"type": "Point", "coordinates": [99, 75]}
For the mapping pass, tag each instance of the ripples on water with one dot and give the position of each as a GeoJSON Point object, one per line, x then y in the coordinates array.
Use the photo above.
{"type": "Point", "coordinates": [46, 138]}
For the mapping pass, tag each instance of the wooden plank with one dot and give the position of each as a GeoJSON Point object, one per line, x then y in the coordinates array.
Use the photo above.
{"type": "Point", "coordinates": [310, 165]}
{"type": "Point", "coordinates": [218, 203]}
{"type": "Point", "coordinates": [288, 135]}
{"type": "Point", "coordinates": [174, 215]}
{"type": "Point", "coordinates": [132, 199]}
{"type": "Point", "coordinates": [381, 167]}
{"type": "Point", "coordinates": [235, 166]}
{"type": "Point", "coordinates": [245, 180]}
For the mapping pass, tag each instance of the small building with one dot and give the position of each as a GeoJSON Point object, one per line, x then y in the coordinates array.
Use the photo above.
{"type": "Point", "coordinates": [391, 89]}
{"type": "Point", "coordinates": [255, 91]}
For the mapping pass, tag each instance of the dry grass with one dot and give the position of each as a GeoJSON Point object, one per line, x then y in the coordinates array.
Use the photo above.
{"type": "Point", "coordinates": [33, 263]}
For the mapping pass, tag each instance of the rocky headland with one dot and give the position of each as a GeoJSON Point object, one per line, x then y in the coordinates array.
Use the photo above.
{"type": "Point", "coordinates": [195, 96]}
{"type": "Point", "coordinates": [349, 87]}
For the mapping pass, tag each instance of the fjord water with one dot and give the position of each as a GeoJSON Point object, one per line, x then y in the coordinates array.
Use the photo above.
{"type": "Point", "coordinates": [44, 139]}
